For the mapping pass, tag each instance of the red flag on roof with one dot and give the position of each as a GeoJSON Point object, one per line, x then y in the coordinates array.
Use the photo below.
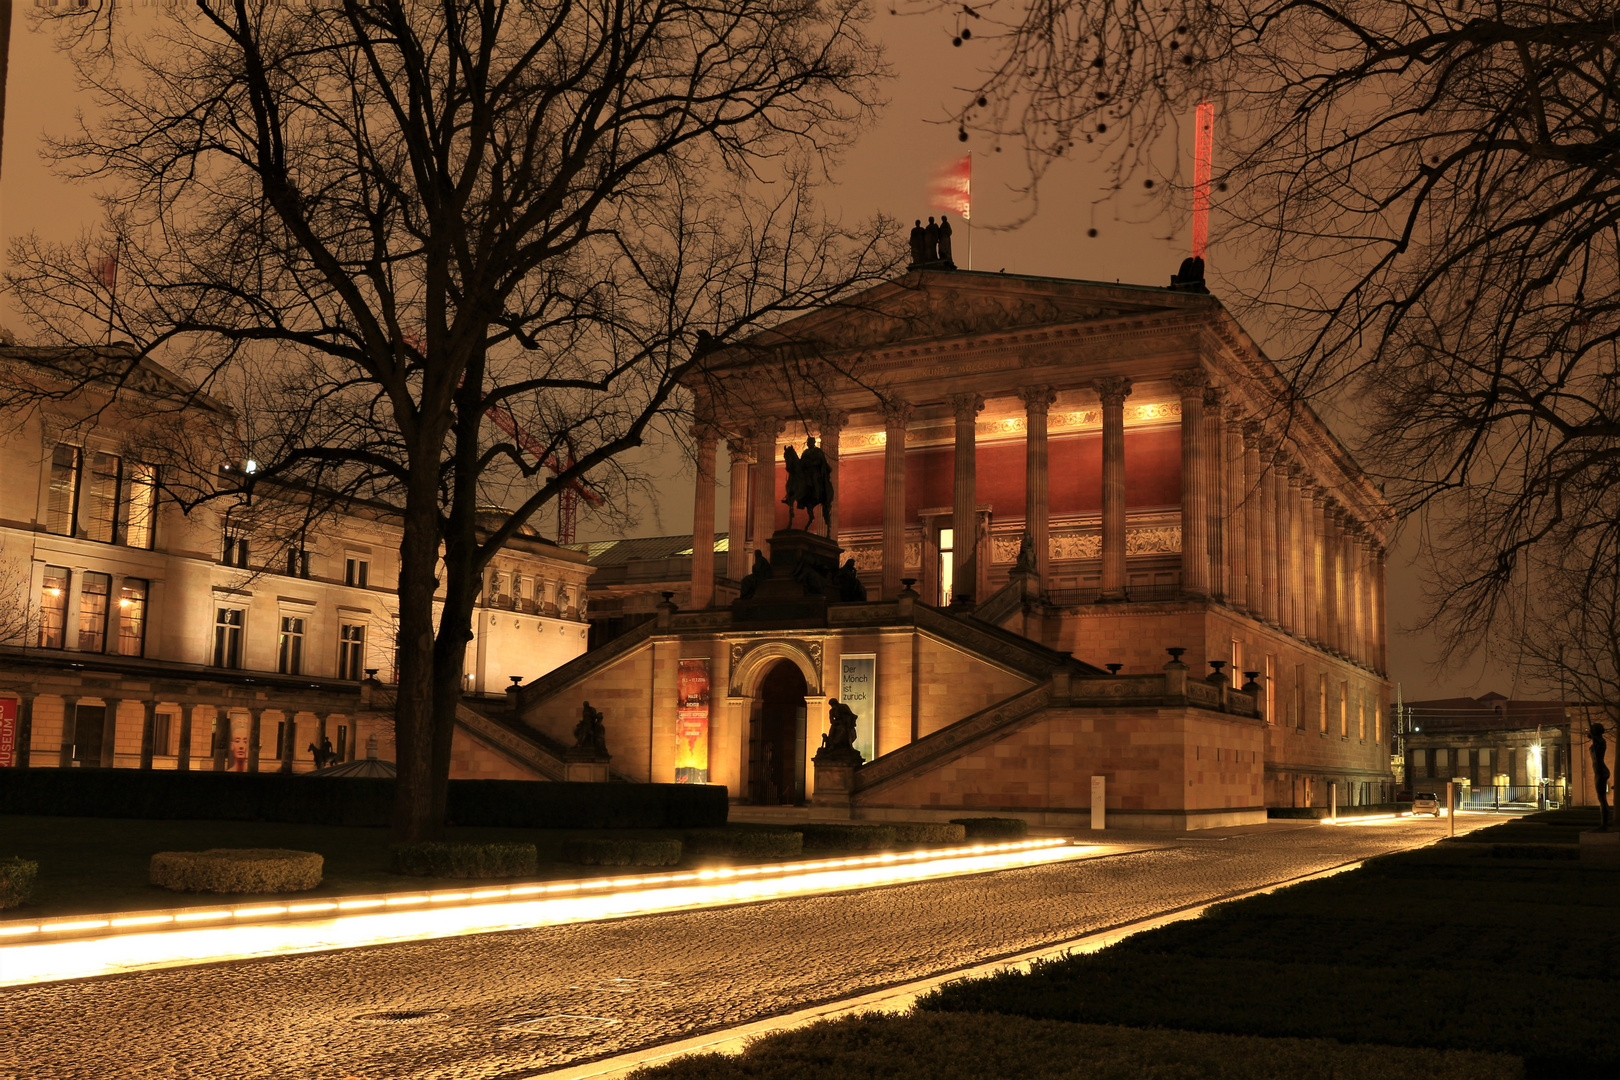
{"type": "Point", "coordinates": [105, 267]}
{"type": "Point", "coordinates": [952, 187]}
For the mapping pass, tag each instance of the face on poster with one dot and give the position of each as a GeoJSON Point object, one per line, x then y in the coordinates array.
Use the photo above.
{"type": "Point", "coordinates": [857, 686]}
{"type": "Point", "coordinates": [8, 732]}
{"type": "Point", "coordinates": [692, 722]}
{"type": "Point", "coordinates": [237, 761]}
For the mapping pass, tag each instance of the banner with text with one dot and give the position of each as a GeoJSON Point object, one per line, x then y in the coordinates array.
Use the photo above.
{"type": "Point", "coordinates": [692, 722]}
{"type": "Point", "coordinates": [8, 732]}
{"type": "Point", "coordinates": [857, 688]}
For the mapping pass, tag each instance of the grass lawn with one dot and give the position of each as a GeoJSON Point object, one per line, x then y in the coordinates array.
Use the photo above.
{"type": "Point", "coordinates": [91, 865]}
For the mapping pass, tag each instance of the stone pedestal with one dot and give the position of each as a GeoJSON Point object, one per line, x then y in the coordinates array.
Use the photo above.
{"type": "Point", "coordinates": [803, 567]}
{"type": "Point", "coordinates": [835, 777]}
{"type": "Point", "coordinates": [584, 765]}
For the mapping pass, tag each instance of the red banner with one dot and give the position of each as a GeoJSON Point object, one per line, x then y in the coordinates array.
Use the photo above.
{"type": "Point", "coordinates": [8, 732]}
{"type": "Point", "coordinates": [692, 722]}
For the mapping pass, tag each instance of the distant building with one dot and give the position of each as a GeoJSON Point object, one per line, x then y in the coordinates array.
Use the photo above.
{"type": "Point", "coordinates": [133, 635]}
{"type": "Point", "coordinates": [1497, 750]}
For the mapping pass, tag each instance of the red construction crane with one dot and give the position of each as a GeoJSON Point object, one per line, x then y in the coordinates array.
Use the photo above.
{"type": "Point", "coordinates": [568, 501]}
{"type": "Point", "coordinates": [1203, 150]}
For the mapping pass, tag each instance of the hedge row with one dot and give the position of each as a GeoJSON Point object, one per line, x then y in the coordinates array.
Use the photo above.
{"type": "Point", "coordinates": [959, 1047]}
{"type": "Point", "coordinates": [928, 833]}
{"type": "Point", "coordinates": [464, 860]}
{"type": "Point", "coordinates": [744, 843]}
{"type": "Point", "coordinates": [17, 877]}
{"type": "Point", "coordinates": [621, 852]}
{"type": "Point", "coordinates": [169, 795]}
{"type": "Point", "coordinates": [846, 836]}
{"type": "Point", "coordinates": [237, 870]}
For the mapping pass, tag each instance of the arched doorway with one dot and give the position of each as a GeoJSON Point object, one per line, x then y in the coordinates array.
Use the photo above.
{"type": "Point", "coordinates": [776, 741]}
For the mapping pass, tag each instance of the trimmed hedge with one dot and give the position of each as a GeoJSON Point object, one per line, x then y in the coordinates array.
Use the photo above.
{"type": "Point", "coordinates": [17, 877]}
{"type": "Point", "coordinates": [531, 804]}
{"type": "Point", "coordinates": [963, 1047]}
{"type": "Point", "coordinates": [928, 832]}
{"type": "Point", "coordinates": [463, 860]}
{"type": "Point", "coordinates": [993, 828]}
{"type": "Point", "coordinates": [621, 852]}
{"type": "Point", "coordinates": [237, 870]}
{"type": "Point", "coordinates": [744, 843]}
{"type": "Point", "coordinates": [853, 836]}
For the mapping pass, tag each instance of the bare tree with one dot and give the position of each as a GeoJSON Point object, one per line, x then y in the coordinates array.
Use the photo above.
{"type": "Point", "coordinates": [370, 226]}
{"type": "Point", "coordinates": [1571, 643]}
{"type": "Point", "coordinates": [1423, 194]}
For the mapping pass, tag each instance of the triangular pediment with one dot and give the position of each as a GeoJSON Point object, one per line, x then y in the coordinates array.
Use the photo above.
{"type": "Point", "coordinates": [936, 305]}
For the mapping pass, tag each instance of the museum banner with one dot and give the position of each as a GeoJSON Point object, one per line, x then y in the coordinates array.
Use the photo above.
{"type": "Point", "coordinates": [692, 722]}
{"type": "Point", "coordinates": [8, 732]}
{"type": "Point", "coordinates": [857, 688]}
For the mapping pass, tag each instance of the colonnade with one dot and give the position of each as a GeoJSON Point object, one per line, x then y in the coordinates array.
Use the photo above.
{"type": "Point", "coordinates": [1259, 533]}
{"type": "Point", "coordinates": [218, 758]}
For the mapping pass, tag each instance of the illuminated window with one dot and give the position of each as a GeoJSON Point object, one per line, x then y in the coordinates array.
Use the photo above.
{"type": "Point", "coordinates": [132, 618]}
{"type": "Point", "coordinates": [94, 590]}
{"type": "Point", "coordinates": [140, 505]}
{"type": "Point", "coordinates": [1378, 722]}
{"type": "Point", "coordinates": [290, 648]}
{"type": "Point", "coordinates": [1237, 662]}
{"type": "Point", "coordinates": [1344, 710]}
{"type": "Point", "coordinates": [1361, 715]}
{"type": "Point", "coordinates": [62, 505]}
{"type": "Point", "coordinates": [351, 651]}
{"type": "Point", "coordinates": [100, 502]}
{"type": "Point", "coordinates": [53, 601]}
{"type": "Point", "coordinates": [947, 567]}
{"type": "Point", "coordinates": [228, 637]}
{"type": "Point", "coordinates": [1271, 689]}
{"type": "Point", "coordinates": [1322, 702]}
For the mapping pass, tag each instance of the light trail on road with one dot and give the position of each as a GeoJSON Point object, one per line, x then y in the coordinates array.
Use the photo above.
{"type": "Point", "coordinates": [54, 961]}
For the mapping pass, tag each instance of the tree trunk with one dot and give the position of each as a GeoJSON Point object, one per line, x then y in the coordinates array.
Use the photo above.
{"type": "Point", "coordinates": [414, 709]}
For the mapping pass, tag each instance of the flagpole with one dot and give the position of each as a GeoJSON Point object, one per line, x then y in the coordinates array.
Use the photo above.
{"type": "Point", "coordinates": [970, 209]}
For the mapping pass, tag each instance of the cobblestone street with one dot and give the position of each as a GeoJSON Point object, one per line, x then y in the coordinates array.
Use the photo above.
{"type": "Point", "coordinates": [628, 983]}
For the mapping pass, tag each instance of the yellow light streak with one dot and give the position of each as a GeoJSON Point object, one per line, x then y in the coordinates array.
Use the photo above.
{"type": "Point", "coordinates": [52, 961]}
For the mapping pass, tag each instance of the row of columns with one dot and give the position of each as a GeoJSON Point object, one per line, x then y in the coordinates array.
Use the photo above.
{"type": "Point", "coordinates": [1256, 532]}
{"type": "Point", "coordinates": [219, 758]}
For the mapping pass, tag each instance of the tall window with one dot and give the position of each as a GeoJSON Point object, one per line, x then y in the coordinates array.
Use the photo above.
{"type": "Point", "coordinates": [1344, 710]}
{"type": "Point", "coordinates": [100, 516]}
{"type": "Point", "coordinates": [290, 651]}
{"type": "Point", "coordinates": [356, 571]}
{"type": "Point", "coordinates": [228, 637]}
{"type": "Point", "coordinates": [140, 505]}
{"type": "Point", "coordinates": [947, 565]}
{"type": "Point", "coordinates": [94, 594]}
{"type": "Point", "coordinates": [53, 601]}
{"type": "Point", "coordinates": [132, 618]}
{"type": "Point", "coordinates": [1322, 701]}
{"type": "Point", "coordinates": [1271, 689]}
{"type": "Point", "coordinates": [1237, 662]}
{"type": "Point", "coordinates": [63, 505]}
{"type": "Point", "coordinates": [234, 550]}
{"type": "Point", "coordinates": [1361, 715]}
{"type": "Point", "coordinates": [162, 734]}
{"type": "Point", "coordinates": [351, 651]}
{"type": "Point", "coordinates": [1299, 696]}
{"type": "Point", "coordinates": [298, 562]}
{"type": "Point", "coordinates": [1378, 722]}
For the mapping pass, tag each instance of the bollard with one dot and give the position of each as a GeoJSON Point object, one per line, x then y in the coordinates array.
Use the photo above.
{"type": "Point", "coordinates": [1099, 805]}
{"type": "Point", "coordinates": [1333, 803]}
{"type": "Point", "coordinates": [1451, 806]}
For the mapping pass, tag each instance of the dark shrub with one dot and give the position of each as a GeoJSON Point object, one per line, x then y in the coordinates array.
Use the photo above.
{"type": "Point", "coordinates": [993, 828]}
{"type": "Point", "coordinates": [927, 833]}
{"type": "Point", "coordinates": [621, 852]}
{"type": "Point", "coordinates": [744, 843]}
{"type": "Point", "coordinates": [851, 836]}
{"type": "Point", "coordinates": [464, 860]}
{"type": "Point", "coordinates": [17, 878]}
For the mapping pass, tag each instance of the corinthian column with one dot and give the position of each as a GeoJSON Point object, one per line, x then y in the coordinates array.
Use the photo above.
{"type": "Point", "coordinates": [964, 518]}
{"type": "Point", "coordinates": [765, 433]}
{"type": "Point", "coordinates": [832, 429]}
{"type": "Point", "coordinates": [1037, 498]}
{"type": "Point", "coordinates": [1356, 644]}
{"type": "Point", "coordinates": [737, 510]}
{"type": "Point", "coordinates": [1310, 555]}
{"type": "Point", "coordinates": [1237, 546]}
{"type": "Point", "coordinates": [1330, 578]}
{"type": "Point", "coordinates": [1253, 514]}
{"type": "Point", "coordinates": [703, 517]}
{"type": "Point", "coordinates": [1112, 390]}
{"type": "Point", "coordinates": [895, 416]}
{"type": "Point", "coordinates": [1268, 537]}
{"type": "Point", "coordinates": [1285, 543]}
{"type": "Point", "coordinates": [1380, 625]}
{"type": "Point", "coordinates": [1215, 489]}
{"type": "Point", "coordinates": [1194, 503]}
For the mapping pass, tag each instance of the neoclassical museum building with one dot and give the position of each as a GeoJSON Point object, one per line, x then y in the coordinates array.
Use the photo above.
{"type": "Point", "coordinates": [1105, 553]}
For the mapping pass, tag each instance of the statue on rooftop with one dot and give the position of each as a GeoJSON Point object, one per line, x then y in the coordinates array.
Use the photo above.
{"type": "Point", "coordinates": [930, 242]}
{"type": "Point", "coordinates": [809, 482]}
{"type": "Point", "coordinates": [918, 238]}
{"type": "Point", "coordinates": [945, 240]}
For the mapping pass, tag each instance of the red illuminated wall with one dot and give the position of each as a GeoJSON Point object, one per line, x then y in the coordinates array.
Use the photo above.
{"type": "Point", "coordinates": [1152, 478]}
